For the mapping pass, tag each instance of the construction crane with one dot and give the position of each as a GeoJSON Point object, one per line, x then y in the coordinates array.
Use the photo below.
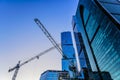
{"type": "Point", "coordinates": [41, 26]}
{"type": "Point", "coordinates": [48, 35]}
{"type": "Point", "coordinates": [16, 68]}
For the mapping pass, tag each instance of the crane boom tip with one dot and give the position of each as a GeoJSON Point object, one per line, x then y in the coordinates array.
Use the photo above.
{"type": "Point", "coordinates": [36, 19]}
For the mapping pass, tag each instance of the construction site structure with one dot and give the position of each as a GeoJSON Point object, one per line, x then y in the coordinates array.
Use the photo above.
{"type": "Point", "coordinates": [16, 68]}
{"type": "Point", "coordinates": [48, 35]}
{"type": "Point", "coordinates": [41, 26]}
{"type": "Point", "coordinates": [52, 40]}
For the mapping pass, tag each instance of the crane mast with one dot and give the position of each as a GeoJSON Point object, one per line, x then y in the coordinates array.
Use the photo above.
{"type": "Point", "coordinates": [16, 71]}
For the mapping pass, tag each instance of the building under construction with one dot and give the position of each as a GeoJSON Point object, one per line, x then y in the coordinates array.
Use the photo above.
{"type": "Point", "coordinates": [96, 29]}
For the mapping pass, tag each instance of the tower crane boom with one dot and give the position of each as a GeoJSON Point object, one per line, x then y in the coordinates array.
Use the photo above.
{"type": "Point", "coordinates": [41, 26]}
{"type": "Point", "coordinates": [48, 35]}
{"type": "Point", "coordinates": [55, 45]}
{"type": "Point", "coordinates": [16, 68]}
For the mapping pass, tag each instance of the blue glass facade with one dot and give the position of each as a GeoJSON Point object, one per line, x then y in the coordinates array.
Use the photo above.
{"type": "Point", "coordinates": [98, 21]}
{"type": "Point", "coordinates": [54, 75]}
{"type": "Point", "coordinates": [83, 57]}
{"type": "Point", "coordinates": [68, 50]}
{"type": "Point", "coordinates": [67, 44]}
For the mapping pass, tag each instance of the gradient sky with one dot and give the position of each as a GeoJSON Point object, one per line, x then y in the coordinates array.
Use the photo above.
{"type": "Point", "coordinates": [21, 38]}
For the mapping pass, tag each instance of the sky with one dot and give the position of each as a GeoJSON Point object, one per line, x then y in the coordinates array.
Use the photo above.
{"type": "Point", "coordinates": [21, 38]}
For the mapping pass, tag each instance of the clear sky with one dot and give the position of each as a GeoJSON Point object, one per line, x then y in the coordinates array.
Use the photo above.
{"type": "Point", "coordinates": [21, 38]}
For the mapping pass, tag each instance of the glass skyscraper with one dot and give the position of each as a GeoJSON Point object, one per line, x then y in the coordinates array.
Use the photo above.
{"type": "Point", "coordinates": [68, 50]}
{"type": "Point", "coordinates": [98, 21]}
{"type": "Point", "coordinates": [83, 57]}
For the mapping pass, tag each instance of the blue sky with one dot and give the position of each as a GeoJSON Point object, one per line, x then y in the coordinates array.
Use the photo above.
{"type": "Point", "coordinates": [21, 38]}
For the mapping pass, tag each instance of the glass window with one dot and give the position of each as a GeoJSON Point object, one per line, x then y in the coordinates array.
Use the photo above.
{"type": "Point", "coordinates": [91, 27]}
{"type": "Point", "coordinates": [82, 60]}
{"type": "Point", "coordinates": [86, 15]}
{"type": "Point", "coordinates": [117, 17]}
{"type": "Point", "coordinates": [91, 20]}
{"type": "Point", "coordinates": [112, 8]}
{"type": "Point", "coordinates": [106, 47]}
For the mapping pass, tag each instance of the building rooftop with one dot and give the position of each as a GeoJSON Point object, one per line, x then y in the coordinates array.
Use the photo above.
{"type": "Point", "coordinates": [53, 71]}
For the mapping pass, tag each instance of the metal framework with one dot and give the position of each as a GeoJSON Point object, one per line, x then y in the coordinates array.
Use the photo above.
{"type": "Point", "coordinates": [55, 45]}
{"type": "Point", "coordinates": [16, 68]}
{"type": "Point", "coordinates": [48, 35]}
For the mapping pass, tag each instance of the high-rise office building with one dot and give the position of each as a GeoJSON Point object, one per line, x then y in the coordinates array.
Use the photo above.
{"type": "Point", "coordinates": [68, 50]}
{"type": "Point", "coordinates": [98, 21]}
{"type": "Point", "coordinates": [83, 57]}
{"type": "Point", "coordinates": [55, 75]}
{"type": "Point", "coordinates": [86, 71]}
